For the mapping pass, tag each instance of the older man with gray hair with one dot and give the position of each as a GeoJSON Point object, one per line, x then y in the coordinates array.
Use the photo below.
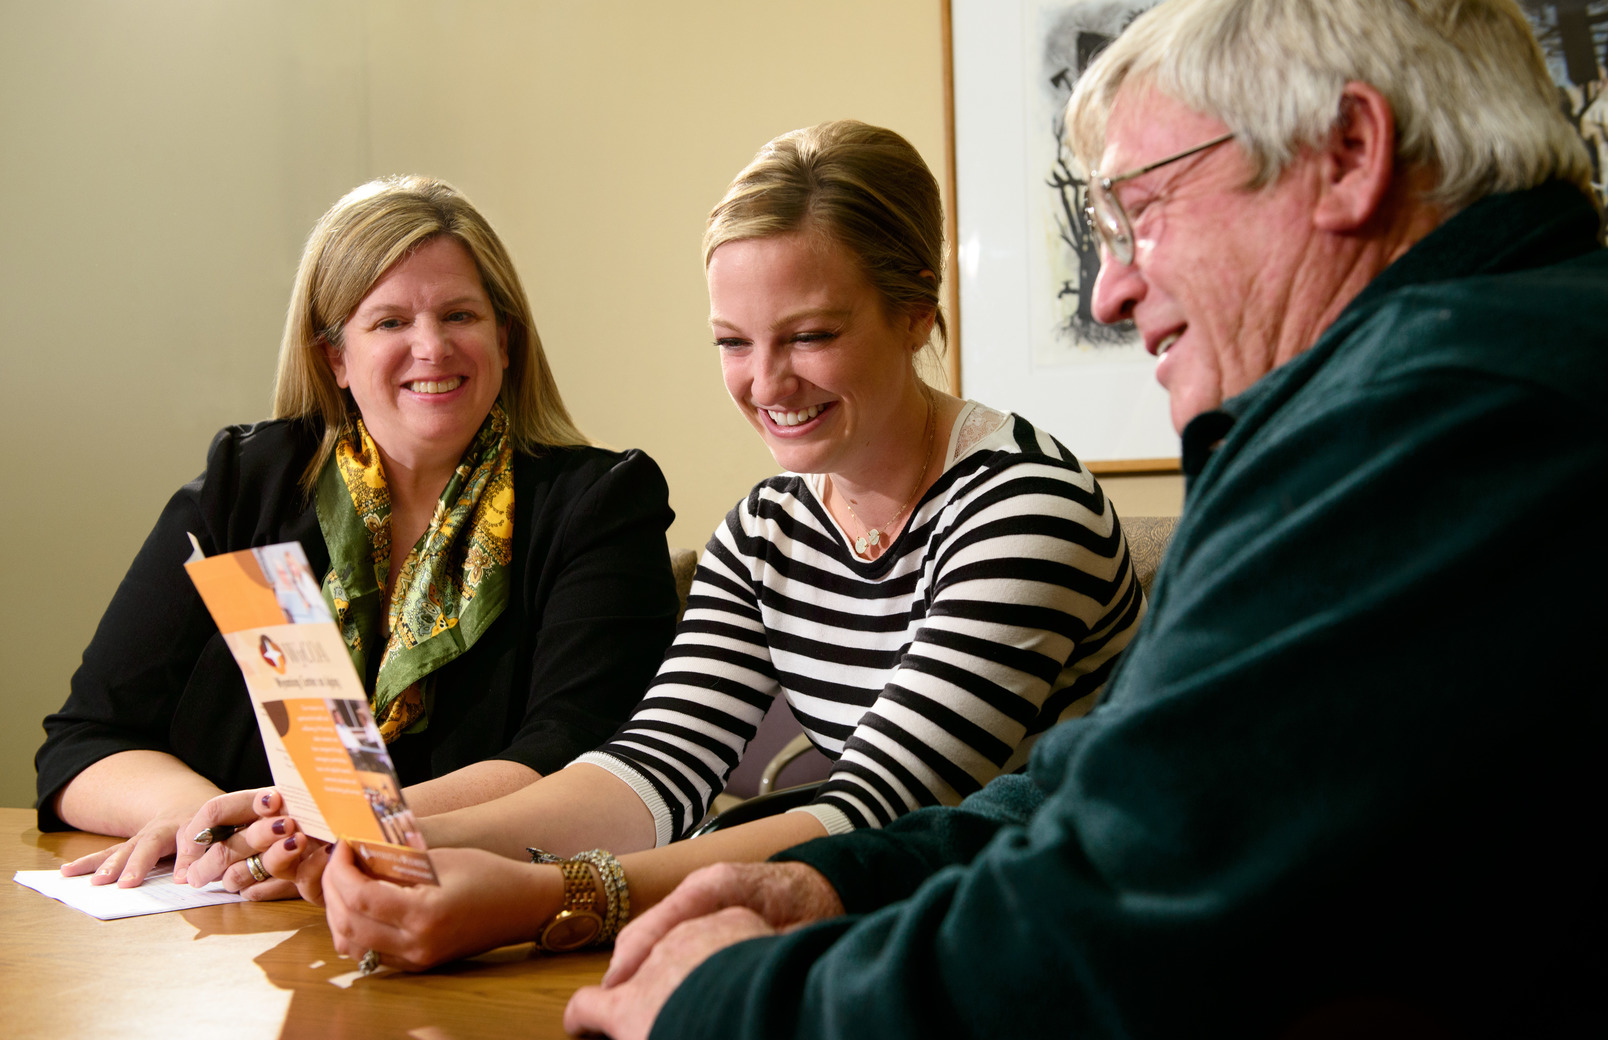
{"type": "Point", "coordinates": [1347, 779]}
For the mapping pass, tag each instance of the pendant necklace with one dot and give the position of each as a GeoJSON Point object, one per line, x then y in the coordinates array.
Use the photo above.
{"type": "Point", "coordinates": [872, 538]}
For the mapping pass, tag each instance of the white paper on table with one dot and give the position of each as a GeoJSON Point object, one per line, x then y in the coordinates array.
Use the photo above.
{"type": "Point", "coordinates": [157, 895]}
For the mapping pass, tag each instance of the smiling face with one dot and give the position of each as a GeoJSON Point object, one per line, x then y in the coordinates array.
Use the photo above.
{"type": "Point", "coordinates": [1219, 285]}
{"type": "Point", "coordinates": [812, 356]}
{"type": "Point", "coordinates": [423, 355]}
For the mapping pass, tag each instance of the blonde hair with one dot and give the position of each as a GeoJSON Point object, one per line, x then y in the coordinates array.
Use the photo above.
{"type": "Point", "coordinates": [1472, 98]}
{"type": "Point", "coordinates": [863, 187]}
{"type": "Point", "coordinates": [361, 237]}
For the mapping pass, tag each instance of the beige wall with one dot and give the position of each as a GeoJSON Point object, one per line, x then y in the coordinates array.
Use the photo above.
{"type": "Point", "coordinates": [162, 161]}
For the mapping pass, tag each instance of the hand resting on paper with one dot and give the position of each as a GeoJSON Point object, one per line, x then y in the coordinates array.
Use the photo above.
{"type": "Point", "coordinates": [161, 802]}
{"type": "Point", "coordinates": [129, 861]}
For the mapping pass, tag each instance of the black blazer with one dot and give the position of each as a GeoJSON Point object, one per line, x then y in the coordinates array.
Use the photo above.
{"type": "Point", "coordinates": [591, 609]}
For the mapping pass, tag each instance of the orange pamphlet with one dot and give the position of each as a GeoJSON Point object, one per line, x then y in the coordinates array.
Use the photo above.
{"type": "Point", "coordinates": [328, 760]}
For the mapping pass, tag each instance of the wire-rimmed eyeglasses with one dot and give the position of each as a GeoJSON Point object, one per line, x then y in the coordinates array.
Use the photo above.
{"type": "Point", "coordinates": [1106, 217]}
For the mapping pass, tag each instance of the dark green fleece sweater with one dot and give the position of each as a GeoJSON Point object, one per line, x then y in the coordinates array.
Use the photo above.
{"type": "Point", "coordinates": [1349, 777]}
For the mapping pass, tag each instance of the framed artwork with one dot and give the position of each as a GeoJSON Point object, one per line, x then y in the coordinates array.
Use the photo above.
{"type": "Point", "coordinates": [1024, 263]}
{"type": "Point", "coordinates": [1574, 38]}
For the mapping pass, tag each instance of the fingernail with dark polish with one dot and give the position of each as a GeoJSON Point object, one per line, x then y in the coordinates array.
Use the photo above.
{"type": "Point", "coordinates": [290, 843]}
{"type": "Point", "coordinates": [279, 826]}
{"type": "Point", "coordinates": [265, 801]}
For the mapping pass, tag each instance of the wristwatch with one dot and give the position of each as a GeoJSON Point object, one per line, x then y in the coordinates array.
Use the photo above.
{"type": "Point", "coordinates": [579, 923]}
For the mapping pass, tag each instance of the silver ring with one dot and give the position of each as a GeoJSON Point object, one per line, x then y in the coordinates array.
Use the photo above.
{"type": "Point", "coordinates": [258, 871]}
{"type": "Point", "coordinates": [369, 964]}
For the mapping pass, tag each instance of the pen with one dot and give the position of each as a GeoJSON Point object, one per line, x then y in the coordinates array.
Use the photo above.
{"type": "Point", "coordinates": [213, 835]}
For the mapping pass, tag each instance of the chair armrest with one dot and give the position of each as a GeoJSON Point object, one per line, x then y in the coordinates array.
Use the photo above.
{"type": "Point", "coordinates": [759, 807]}
{"type": "Point", "coordinates": [781, 760]}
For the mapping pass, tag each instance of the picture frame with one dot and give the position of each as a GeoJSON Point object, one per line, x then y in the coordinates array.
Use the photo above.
{"type": "Point", "coordinates": [1573, 35]}
{"type": "Point", "coordinates": [1021, 262]}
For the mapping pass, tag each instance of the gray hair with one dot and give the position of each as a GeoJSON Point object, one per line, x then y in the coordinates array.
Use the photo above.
{"type": "Point", "coordinates": [1473, 101]}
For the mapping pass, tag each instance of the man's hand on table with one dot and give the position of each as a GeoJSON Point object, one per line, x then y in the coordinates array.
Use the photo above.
{"type": "Point", "coordinates": [713, 908]}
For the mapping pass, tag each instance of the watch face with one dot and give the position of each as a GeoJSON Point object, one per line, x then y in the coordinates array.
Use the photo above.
{"type": "Point", "coordinates": [571, 930]}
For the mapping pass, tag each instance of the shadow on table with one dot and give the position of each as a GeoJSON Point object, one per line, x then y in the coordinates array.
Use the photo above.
{"type": "Point", "coordinates": [507, 992]}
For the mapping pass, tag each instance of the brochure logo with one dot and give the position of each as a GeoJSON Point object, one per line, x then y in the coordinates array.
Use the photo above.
{"type": "Point", "coordinates": [272, 654]}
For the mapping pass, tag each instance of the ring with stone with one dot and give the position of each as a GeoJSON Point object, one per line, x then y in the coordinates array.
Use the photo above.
{"type": "Point", "coordinates": [369, 964]}
{"type": "Point", "coordinates": [258, 871]}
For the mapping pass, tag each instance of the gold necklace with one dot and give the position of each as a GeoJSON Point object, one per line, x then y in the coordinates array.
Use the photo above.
{"type": "Point", "coordinates": [873, 535]}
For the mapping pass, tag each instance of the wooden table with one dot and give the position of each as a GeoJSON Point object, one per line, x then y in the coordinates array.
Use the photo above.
{"type": "Point", "coordinates": [241, 971]}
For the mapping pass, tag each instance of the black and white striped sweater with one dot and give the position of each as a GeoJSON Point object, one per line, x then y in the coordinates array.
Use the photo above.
{"type": "Point", "coordinates": [999, 610]}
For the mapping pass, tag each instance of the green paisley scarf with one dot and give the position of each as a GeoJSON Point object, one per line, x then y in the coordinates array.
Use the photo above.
{"type": "Point", "coordinates": [452, 586]}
